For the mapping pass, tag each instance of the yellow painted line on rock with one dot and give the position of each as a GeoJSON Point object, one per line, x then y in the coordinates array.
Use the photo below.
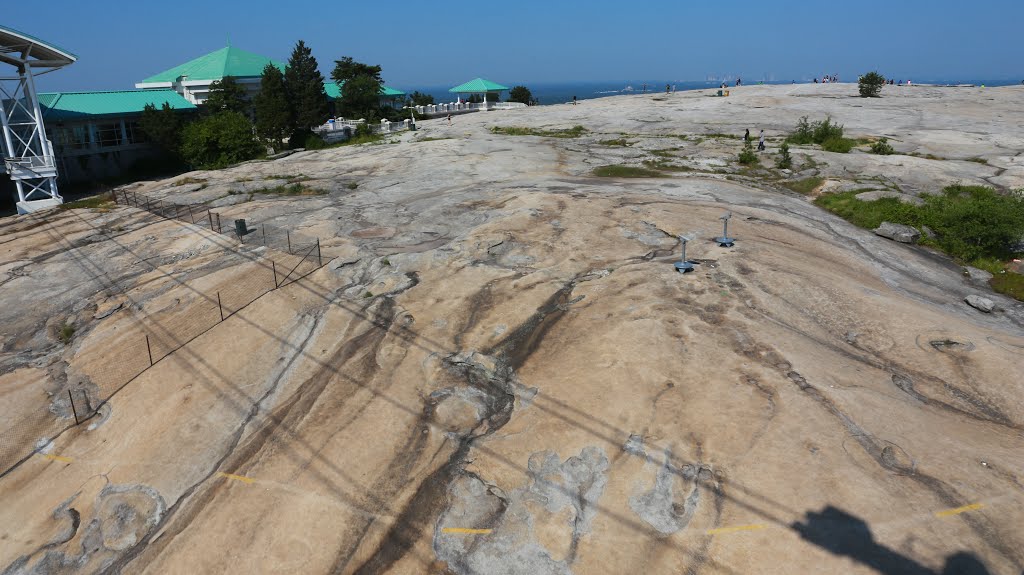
{"type": "Point", "coordinates": [959, 510]}
{"type": "Point", "coordinates": [464, 530]}
{"type": "Point", "coordinates": [723, 530]}
{"type": "Point", "coordinates": [59, 458]}
{"type": "Point", "coordinates": [241, 478]}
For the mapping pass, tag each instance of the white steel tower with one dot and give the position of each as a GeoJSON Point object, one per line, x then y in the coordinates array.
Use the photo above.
{"type": "Point", "coordinates": [27, 153]}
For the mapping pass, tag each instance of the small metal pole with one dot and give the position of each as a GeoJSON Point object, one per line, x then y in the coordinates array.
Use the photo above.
{"type": "Point", "coordinates": [149, 350]}
{"type": "Point", "coordinates": [73, 410]}
{"type": "Point", "coordinates": [209, 213]}
{"type": "Point", "coordinates": [725, 228]}
{"type": "Point", "coordinates": [319, 260]}
{"type": "Point", "coordinates": [191, 216]}
{"type": "Point", "coordinates": [264, 226]}
{"type": "Point", "coordinates": [273, 266]}
{"type": "Point", "coordinates": [220, 307]}
{"type": "Point", "coordinates": [288, 235]}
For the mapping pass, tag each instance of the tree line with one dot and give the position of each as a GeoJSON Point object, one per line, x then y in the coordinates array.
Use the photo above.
{"type": "Point", "coordinates": [230, 128]}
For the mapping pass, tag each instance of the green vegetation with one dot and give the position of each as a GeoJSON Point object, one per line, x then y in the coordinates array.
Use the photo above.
{"type": "Point", "coordinates": [219, 140]}
{"type": "Point", "coordinates": [747, 155]}
{"type": "Point", "coordinates": [666, 153]}
{"type": "Point", "coordinates": [870, 85]}
{"type": "Point", "coordinates": [617, 142]}
{"type": "Point", "coordinates": [163, 127]}
{"type": "Point", "coordinates": [978, 160]}
{"type": "Point", "coordinates": [522, 95]}
{"type": "Point", "coordinates": [620, 171]}
{"type": "Point", "coordinates": [295, 189]}
{"type": "Point", "coordinates": [65, 333]}
{"type": "Point", "coordinates": [785, 160]}
{"type": "Point", "coordinates": [433, 139]}
{"type": "Point", "coordinates": [926, 156]}
{"type": "Point", "coordinates": [352, 185]}
{"type": "Point", "coordinates": [385, 262]}
{"type": "Point", "coordinates": [882, 148]}
{"type": "Point", "coordinates": [573, 132]}
{"type": "Point", "coordinates": [419, 99]}
{"type": "Point", "coordinates": [273, 110]}
{"type": "Point", "coordinates": [190, 180]}
{"type": "Point", "coordinates": [666, 165]}
{"type": "Point", "coordinates": [720, 135]}
{"type": "Point", "coordinates": [100, 201]}
{"type": "Point", "coordinates": [305, 87]}
{"type": "Point", "coordinates": [824, 133]}
{"type": "Point", "coordinates": [804, 186]}
{"type": "Point", "coordinates": [360, 97]}
{"type": "Point", "coordinates": [974, 224]}
{"type": "Point", "coordinates": [227, 95]}
{"type": "Point", "coordinates": [368, 294]}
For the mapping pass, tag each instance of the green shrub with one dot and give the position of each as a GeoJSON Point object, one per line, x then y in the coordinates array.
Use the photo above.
{"type": "Point", "coordinates": [620, 171]}
{"type": "Point", "coordinates": [975, 221]}
{"type": "Point", "coordinates": [870, 214]}
{"type": "Point", "coordinates": [66, 332]}
{"type": "Point", "coordinates": [837, 145]}
{"type": "Point", "coordinates": [804, 186]}
{"type": "Point", "coordinates": [573, 132]}
{"type": "Point", "coordinates": [747, 155]}
{"type": "Point", "coordinates": [870, 85]}
{"type": "Point", "coordinates": [882, 147]}
{"type": "Point", "coordinates": [785, 160]}
{"type": "Point", "coordinates": [825, 130]}
{"type": "Point", "coordinates": [1008, 283]}
{"type": "Point", "coordinates": [219, 140]}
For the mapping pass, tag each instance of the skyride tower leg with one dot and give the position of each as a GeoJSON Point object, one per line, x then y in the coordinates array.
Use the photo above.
{"type": "Point", "coordinates": [28, 154]}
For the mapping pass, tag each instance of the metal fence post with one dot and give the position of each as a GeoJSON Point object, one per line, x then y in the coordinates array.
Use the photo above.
{"type": "Point", "coordinates": [73, 410]}
{"type": "Point", "coordinates": [319, 260]}
{"type": "Point", "coordinates": [149, 350]}
{"type": "Point", "coordinates": [273, 266]}
{"type": "Point", "coordinates": [220, 307]}
{"type": "Point", "coordinates": [264, 226]}
{"type": "Point", "coordinates": [208, 213]}
{"type": "Point", "coordinates": [191, 216]}
{"type": "Point", "coordinates": [288, 235]}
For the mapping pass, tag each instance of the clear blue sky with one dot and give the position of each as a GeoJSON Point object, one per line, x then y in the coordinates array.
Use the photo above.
{"type": "Point", "coordinates": [431, 42]}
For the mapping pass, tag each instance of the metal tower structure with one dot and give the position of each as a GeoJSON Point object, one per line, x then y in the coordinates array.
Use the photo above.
{"type": "Point", "coordinates": [27, 153]}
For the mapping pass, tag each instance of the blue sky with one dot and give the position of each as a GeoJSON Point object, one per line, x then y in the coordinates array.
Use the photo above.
{"type": "Point", "coordinates": [428, 43]}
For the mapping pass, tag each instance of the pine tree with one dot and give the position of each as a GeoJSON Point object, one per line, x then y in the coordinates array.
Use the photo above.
{"type": "Point", "coordinates": [163, 127]}
{"type": "Point", "coordinates": [305, 86]}
{"type": "Point", "coordinates": [227, 95]}
{"type": "Point", "coordinates": [361, 87]}
{"type": "Point", "coordinates": [273, 113]}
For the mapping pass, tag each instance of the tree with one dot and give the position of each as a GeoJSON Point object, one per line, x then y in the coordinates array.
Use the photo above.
{"type": "Point", "coordinates": [870, 85]}
{"type": "Point", "coordinates": [361, 87]}
{"type": "Point", "coordinates": [163, 127]}
{"type": "Point", "coordinates": [785, 160]}
{"type": "Point", "coordinates": [420, 99]}
{"type": "Point", "coordinates": [219, 140]}
{"type": "Point", "coordinates": [273, 114]}
{"type": "Point", "coordinates": [227, 95]}
{"type": "Point", "coordinates": [747, 155]}
{"type": "Point", "coordinates": [305, 86]}
{"type": "Point", "coordinates": [521, 94]}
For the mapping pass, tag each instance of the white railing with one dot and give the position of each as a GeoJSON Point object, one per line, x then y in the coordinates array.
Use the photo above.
{"type": "Point", "coordinates": [459, 107]}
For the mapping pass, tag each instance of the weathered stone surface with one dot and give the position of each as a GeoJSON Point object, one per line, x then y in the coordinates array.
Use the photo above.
{"type": "Point", "coordinates": [980, 303]}
{"type": "Point", "coordinates": [498, 370]}
{"type": "Point", "coordinates": [898, 232]}
{"type": "Point", "coordinates": [877, 195]}
{"type": "Point", "coordinates": [978, 276]}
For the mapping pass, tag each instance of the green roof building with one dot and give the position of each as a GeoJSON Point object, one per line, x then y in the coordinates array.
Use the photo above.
{"type": "Point", "coordinates": [491, 91]}
{"type": "Point", "coordinates": [388, 95]}
{"type": "Point", "coordinates": [193, 78]}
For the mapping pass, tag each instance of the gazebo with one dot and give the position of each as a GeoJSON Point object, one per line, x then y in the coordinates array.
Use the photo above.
{"type": "Point", "coordinates": [481, 86]}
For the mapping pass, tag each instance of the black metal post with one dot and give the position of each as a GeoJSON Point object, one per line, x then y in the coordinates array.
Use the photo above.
{"type": "Point", "coordinates": [288, 235]}
{"type": "Point", "coordinates": [191, 216]}
{"type": "Point", "coordinates": [149, 350]}
{"type": "Point", "coordinates": [220, 307]}
{"type": "Point", "coordinates": [319, 260]}
{"type": "Point", "coordinates": [273, 266]}
{"type": "Point", "coordinates": [211, 220]}
{"type": "Point", "coordinates": [73, 410]}
{"type": "Point", "coordinates": [264, 226]}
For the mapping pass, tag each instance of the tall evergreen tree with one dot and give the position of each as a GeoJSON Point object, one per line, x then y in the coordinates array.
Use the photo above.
{"type": "Point", "coordinates": [163, 127]}
{"type": "Point", "coordinates": [305, 86]}
{"type": "Point", "coordinates": [227, 95]}
{"type": "Point", "coordinates": [361, 87]}
{"type": "Point", "coordinates": [273, 113]}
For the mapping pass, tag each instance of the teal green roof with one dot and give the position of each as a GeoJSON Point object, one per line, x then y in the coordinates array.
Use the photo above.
{"type": "Point", "coordinates": [478, 86]}
{"type": "Point", "coordinates": [81, 105]}
{"type": "Point", "coordinates": [229, 61]}
{"type": "Point", "coordinates": [334, 90]}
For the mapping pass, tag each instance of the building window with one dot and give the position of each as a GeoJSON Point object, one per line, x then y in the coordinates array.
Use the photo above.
{"type": "Point", "coordinates": [74, 137]}
{"type": "Point", "coordinates": [135, 133]}
{"type": "Point", "coordinates": [108, 135]}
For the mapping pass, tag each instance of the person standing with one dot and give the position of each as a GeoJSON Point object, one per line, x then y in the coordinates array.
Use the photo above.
{"type": "Point", "coordinates": [760, 143]}
{"type": "Point", "coordinates": [574, 100]}
{"type": "Point", "coordinates": [449, 119]}
{"type": "Point", "coordinates": [746, 136]}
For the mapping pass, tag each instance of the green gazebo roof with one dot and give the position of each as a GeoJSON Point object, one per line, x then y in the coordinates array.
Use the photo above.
{"type": "Point", "coordinates": [228, 61]}
{"type": "Point", "coordinates": [71, 105]}
{"type": "Point", "coordinates": [478, 86]}
{"type": "Point", "coordinates": [334, 90]}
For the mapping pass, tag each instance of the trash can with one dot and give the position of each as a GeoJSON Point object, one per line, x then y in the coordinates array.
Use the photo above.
{"type": "Point", "coordinates": [719, 92]}
{"type": "Point", "coordinates": [240, 228]}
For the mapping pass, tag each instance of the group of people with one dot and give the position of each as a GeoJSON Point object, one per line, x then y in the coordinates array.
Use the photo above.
{"type": "Point", "coordinates": [834, 78]}
{"type": "Point", "coordinates": [760, 141]}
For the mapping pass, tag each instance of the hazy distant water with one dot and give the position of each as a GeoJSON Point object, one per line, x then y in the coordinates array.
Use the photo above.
{"type": "Point", "coordinates": [550, 93]}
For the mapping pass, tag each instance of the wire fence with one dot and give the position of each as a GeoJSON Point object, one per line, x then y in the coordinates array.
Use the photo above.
{"type": "Point", "coordinates": [153, 330]}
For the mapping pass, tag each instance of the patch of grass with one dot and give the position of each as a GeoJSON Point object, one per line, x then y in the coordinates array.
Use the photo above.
{"type": "Point", "coordinates": [66, 332]}
{"type": "Point", "coordinates": [620, 171]}
{"type": "Point", "coordinates": [432, 139]}
{"type": "Point", "coordinates": [838, 145]}
{"type": "Point", "coordinates": [1008, 283]}
{"type": "Point", "coordinates": [352, 185]}
{"type": "Point", "coordinates": [666, 153]}
{"type": "Point", "coordinates": [621, 142]}
{"type": "Point", "coordinates": [573, 132]}
{"type": "Point", "coordinates": [926, 156]}
{"type": "Point", "coordinates": [385, 262]}
{"type": "Point", "coordinates": [882, 148]}
{"type": "Point", "coordinates": [298, 178]}
{"type": "Point", "coordinates": [804, 186]}
{"type": "Point", "coordinates": [991, 265]}
{"type": "Point", "coordinates": [869, 214]}
{"type": "Point", "coordinates": [666, 166]}
{"type": "Point", "coordinates": [100, 201]}
{"type": "Point", "coordinates": [978, 160]}
{"type": "Point", "coordinates": [368, 294]}
{"type": "Point", "coordinates": [296, 189]}
{"type": "Point", "coordinates": [189, 180]}
{"type": "Point", "coordinates": [720, 135]}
